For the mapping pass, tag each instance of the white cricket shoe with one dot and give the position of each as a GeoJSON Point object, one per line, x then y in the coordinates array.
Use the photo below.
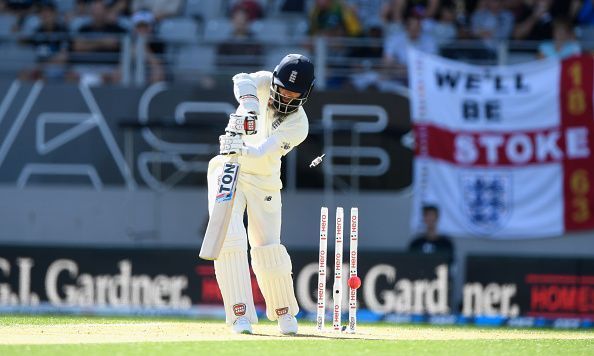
{"type": "Point", "coordinates": [287, 324]}
{"type": "Point", "coordinates": [242, 325]}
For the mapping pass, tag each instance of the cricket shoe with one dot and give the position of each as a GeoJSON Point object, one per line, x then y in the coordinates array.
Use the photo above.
{"type": "Point", "coordinates": [287, 324]}
{"type": "Point", "coordinates": [242, 325]}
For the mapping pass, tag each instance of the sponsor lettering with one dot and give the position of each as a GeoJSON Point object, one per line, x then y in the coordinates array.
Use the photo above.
{"type": "Point", "coordinates": [492, 299]}
{"type": "Point", "coordinates": [320, 290]}
{"type": "Point", "coordinates": [24, 295]}
{"type": "Point", "coordinates": [339, 229]}
{"type": "Point", "coordinates": [338, 263]}
{"type": "Point", "coordinates": [322, 260]}
{"type": "Point", "coordinates": [353, 259]}
{"type": "Point", "coordinates": [65, 285]}
{"type": "Point", "coordinates": [336, 312]}
{"type": "Point", "coordinates": [227, 182]}
{"type": "Point", "coordinates": [407, 296]}
{"type": "Point", "coordinates": [560, 295]}
{"type": "Point", "coordinates": [382, 291]}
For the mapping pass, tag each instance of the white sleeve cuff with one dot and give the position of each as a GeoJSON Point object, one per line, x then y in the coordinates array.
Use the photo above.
{"type": "Point", "coordinates": [244, 86]}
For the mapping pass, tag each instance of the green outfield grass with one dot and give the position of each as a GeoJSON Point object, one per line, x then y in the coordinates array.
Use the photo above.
{"type": "Point", "coordinates": [388, 339]}
{"type": "Point", "coordinates": [345, 347]}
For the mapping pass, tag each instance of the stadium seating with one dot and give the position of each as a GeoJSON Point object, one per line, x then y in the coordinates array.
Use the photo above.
{"type": "Point", "coordinates": [203, 9]}
{"type": "Point", "coordinates": [179, 29]}
{"type": "Point", "coordinates": [192, 59]}
{"type": "Point", "coordinates": [217, 29]}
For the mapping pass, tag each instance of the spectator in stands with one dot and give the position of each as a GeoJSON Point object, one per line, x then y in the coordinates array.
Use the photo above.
{"type": "Point", "coordinates": [566, 8]}
{"type": "Point", "coordinates": [563, 44]}
{"type": "Point", "coordinates": [491, 22]}
{"type": "Point", "coordinates": [369, 12]}
{"type": "Point", "coordinates": [397, 44]}
{"type": "Point", "coordinates": [101, 33]}
{"type": "Point", "coordinates": [368, 67]}
{"type": "Point", "coordinates": [51, 43]}
{"type": "Point", "coordinates": [121, 8]}
{"type": "Point", "coordinates": [292, 6]}
{"type": "Point", "coordinates": [142, 22]}
{"type": "Point", "coordinates": [77, 16]}
{"type": "Point", "coordinates": [252, 8]}
{"type": "Point", "coordinates": [240, 50]}
{"type": "Point", "coordinates": [431, 242]}
{"type": "Point", "coordinates": [534, 22]}
{"type": "Point", "coordinates": [51, 36]}
{"type": "Point", "coordinates": [444, 28]}
{"type": "Point", "coordinates": [22, 11]}
{"type": "Point", "coordinates": [160, 8]}
{"type": "Point", "coordinates": [333, 18]}
{"type": "Point", "coordinates": [397, 10]}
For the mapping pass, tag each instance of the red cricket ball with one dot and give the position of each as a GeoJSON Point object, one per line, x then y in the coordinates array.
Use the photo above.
{"type": "Point", "coordinates": [354, 282]}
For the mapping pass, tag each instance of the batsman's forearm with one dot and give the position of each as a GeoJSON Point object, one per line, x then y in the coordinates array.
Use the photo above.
{"type": "Point", "coordinates": [266, 147]}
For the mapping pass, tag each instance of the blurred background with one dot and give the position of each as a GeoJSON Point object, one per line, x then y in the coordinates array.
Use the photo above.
{"type": "Point", "coordinates": [110, 111]}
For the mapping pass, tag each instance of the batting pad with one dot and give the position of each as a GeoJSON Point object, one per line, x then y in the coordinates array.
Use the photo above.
{"type": "Point", "coordinates": [233, 277]}
{"type": "Point", "coordinates": [272, 266]}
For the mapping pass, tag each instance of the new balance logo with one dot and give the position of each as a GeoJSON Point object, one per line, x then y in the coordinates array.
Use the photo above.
{"type": "Point", "coordinates": [293, 76]}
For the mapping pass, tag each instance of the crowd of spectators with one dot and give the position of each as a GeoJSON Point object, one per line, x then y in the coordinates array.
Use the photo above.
{"type": "Point", "coordinates": [87, 33]}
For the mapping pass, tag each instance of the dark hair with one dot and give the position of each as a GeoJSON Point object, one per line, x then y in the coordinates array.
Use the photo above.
{"type": "Point", "coordinates": [47, 5]}
{"type": "Point", "coordinates": [430, 207]}
{"type": "Point", "coordinates": [563, 21]}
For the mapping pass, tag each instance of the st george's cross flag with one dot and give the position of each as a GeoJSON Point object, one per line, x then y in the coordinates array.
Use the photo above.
{"type": "Point", "coordinates": [505, 152]}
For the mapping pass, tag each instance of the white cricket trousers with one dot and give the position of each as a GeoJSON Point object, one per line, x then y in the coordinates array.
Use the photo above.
{"type": "Point", "coordinates": [270, 261]}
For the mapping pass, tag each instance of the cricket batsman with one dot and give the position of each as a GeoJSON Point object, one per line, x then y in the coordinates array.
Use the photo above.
{"type": "Point", "coordinates": [274, 101]}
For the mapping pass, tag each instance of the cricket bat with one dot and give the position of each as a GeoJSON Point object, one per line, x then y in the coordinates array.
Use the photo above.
{"type": "Point", "coordinates": [220, 216]}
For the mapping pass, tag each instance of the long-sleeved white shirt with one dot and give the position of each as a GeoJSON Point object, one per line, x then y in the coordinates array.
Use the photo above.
{"type": "Point", "coordinates": [277, 134]}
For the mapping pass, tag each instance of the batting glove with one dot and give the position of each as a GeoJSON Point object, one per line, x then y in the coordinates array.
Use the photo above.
{"type": "Point", "coordinates": [242, 124]}
{"type": "Point", "coordinates": [231, 144]}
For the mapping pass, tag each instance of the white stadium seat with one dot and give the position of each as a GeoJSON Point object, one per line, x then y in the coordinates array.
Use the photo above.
{"type": "Point", "coordinates": [178, 30]}
{"type": "Point", "coordinates": [30, 24]}
{"type": "Point", "coordinates": [206, 9]}
{"type": "Point", "coordinates": [194, 58]}
{"type": "Point", "coordinates": [271, 30]}
{"type": "Point", "coordinates": [217, 29]}
{"type": "Point", "coordinates": [16, 57]}
{"type": "Point", "coordinates": [64, 5]}
{"type": "Point", "coordinates": [6, 24]}
{"type": "Point", "coordinates": [274, 56]}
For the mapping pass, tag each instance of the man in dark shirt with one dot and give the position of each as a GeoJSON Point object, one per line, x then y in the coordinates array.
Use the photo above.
{"type": "Point", "coordinates": [535, 22]}
{"type": "Point", "coordinates": [51, 37]}
{"type": "Point", "coordinates": [431, 242]}
{"type": "Point", "coordinates": [101, 34]}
